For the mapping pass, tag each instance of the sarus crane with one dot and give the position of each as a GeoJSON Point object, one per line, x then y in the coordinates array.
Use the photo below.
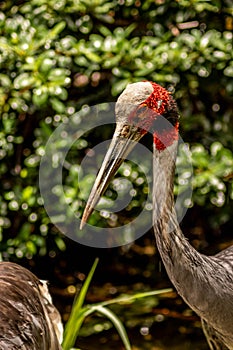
{"type": "Point", "coordinates": [28, 319]}
{"type": "Point", "coordinates": [204, 282]}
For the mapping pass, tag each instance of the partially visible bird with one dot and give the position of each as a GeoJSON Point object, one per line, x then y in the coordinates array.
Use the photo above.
{"type": "Point", "coordinates": [28, 319]}
{"type": "Point", "coordinates": [204, 282]}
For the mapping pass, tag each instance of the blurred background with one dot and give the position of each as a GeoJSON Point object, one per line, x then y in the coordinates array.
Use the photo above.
{"type": "Point", "coordinates": [61, 57]}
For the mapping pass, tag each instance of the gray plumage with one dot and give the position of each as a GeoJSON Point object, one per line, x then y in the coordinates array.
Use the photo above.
{"type": "Point", "coordinates": [28, 319]}
{"type": "Point", "coordinates": [205, 283]}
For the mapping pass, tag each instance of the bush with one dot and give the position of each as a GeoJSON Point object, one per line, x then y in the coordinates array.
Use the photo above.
{"type": "Point", "coordinates": [59, 55]}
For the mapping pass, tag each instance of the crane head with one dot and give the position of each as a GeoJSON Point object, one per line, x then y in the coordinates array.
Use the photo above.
{"type": "Point", "coordinates": [141, 108]}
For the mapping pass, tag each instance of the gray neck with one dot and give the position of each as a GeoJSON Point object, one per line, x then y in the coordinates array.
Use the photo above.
{"type": "Point", "coordinates": [197, 278]}
{"type": "Point", "coordinates": [171, 242]}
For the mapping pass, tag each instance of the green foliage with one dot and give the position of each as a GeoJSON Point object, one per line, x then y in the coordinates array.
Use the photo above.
{"type": "Point", "coordinates": [80, 311]}
{"type": "Point", "coordinates": [58, 55]}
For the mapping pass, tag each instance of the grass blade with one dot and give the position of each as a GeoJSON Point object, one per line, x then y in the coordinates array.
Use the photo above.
{"type": "Point", "coordinates": [131, 298]}
{"type": "Point", "coordinates": [78, 313]}
{"type": "Point", "coordinates": [116, 322]}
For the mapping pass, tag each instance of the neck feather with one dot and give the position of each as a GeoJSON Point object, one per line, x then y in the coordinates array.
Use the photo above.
{"type": "Point", "coordinates": [165, 219]}
{"type": "Point", "coordinates": [173, 246]}
{"type": "Point", "coordinates": [167, 136]}
{"type": "Point", "coordinates": [196, 277]}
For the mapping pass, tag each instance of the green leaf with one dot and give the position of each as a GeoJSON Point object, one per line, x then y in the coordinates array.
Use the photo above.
{"type": "Point", "coordinates": [57, 105]}
{"type": "Point", "coordinates": [57, 29]}
{"type": "Point", "coordinates": [5, 80]}
{"type": "Point", "coordinates": [60, 243]}
{"type": "Point", "coordinates": [46, 64]}
{"type": "Point", "coordinates": [119, 86]}
{"type": "Point", "coordinates": [40, 96]}
{"type": "Point", "coordinates": [105, 31]}
{"type": "Point", "coordinates": [27, 193]}
{"type": "Point", "coordinates": [228, 71]}
{"type": "Point", "coordinates": [23, 81]}
{"type": "Point", "coordinates": [58, 74]}
{"type": "Point", "coordinates": [132, 298]}
{"type": "Point", "coordinates": [116, 322]}
{"type": "Point", "coordinates": [92, 56]}
{"type": "Point", "coordinates": [78, 313]}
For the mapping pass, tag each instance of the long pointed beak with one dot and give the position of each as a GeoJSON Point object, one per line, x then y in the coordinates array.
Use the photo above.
{"type": "Point", "coordinates": [124, 139]}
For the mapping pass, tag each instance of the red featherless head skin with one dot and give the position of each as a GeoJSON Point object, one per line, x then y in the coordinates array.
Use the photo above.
{"type": "Point", "coordinates": [159, 114]}
{"type": "Point", "coordinates": [158, 99]}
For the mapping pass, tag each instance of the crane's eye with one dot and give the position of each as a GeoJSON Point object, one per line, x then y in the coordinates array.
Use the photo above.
{"type": "Point", "coordinates": [138, 114]}
{"type": "Point", "coordinates": [140, 111]}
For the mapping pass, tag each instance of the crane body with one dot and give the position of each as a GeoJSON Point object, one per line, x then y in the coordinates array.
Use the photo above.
{"type": "Point", "coordinates": [28, 319]}
{"type": "Point", "coordinates": [204, 282]}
